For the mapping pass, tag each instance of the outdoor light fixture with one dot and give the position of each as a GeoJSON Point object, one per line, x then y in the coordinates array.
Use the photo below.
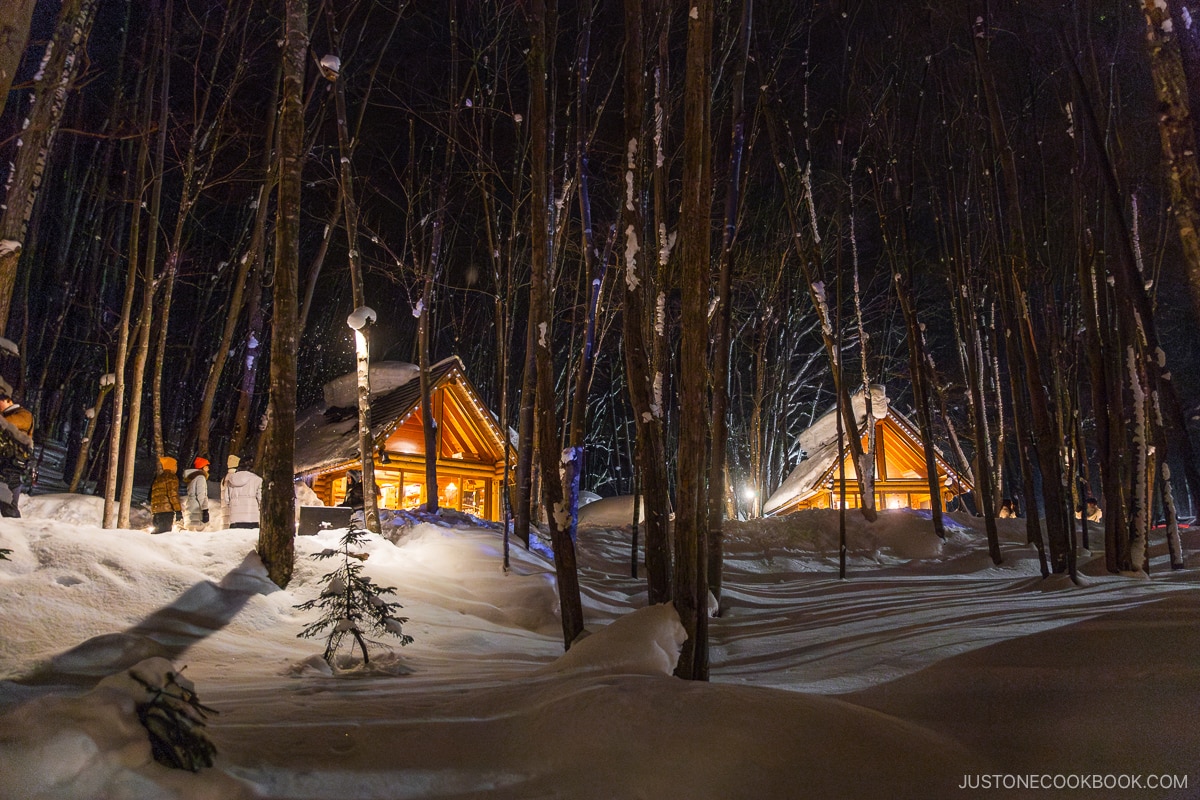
{"type": "Point", "coordinates": [361, 317]}
{"type": "Point", "coordinates": [749, 493]}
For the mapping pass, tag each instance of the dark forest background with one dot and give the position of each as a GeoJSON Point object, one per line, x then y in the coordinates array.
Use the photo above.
{"type": "Point", "coordinates": [867, 127]}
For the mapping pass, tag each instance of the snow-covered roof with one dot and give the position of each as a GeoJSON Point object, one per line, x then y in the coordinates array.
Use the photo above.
{"type": "Point", "coordinates": [323, 440]}
{"type": "Point", "coordinates": [819, 444]}
{"type": "Point", "coordinates": [819, 449]}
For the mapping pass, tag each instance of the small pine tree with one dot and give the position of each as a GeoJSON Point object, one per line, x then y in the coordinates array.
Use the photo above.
{"type": "Point", "coordinates": [351, 604]}
{"type": "Point", "coordinates": [174, 717]}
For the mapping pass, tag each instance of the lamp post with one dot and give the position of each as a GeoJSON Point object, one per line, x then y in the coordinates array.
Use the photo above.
{"type": "Point", "coordinates": [360, 321]}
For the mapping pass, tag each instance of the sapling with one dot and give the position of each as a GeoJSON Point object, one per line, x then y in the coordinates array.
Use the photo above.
{"type": "Point", "coordinates": [351, 603]}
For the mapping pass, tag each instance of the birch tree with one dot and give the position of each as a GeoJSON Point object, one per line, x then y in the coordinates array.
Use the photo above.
{"type": "Point", "coordinates": [54, 82]}
{"type": "Point", "coordinates": [542, 31]}
{"type": "Point", "coordinates": [276, 546]}
{"type": "Point", "coordinates": [643, 381]}
{"type": "Point", "coordinates": [15, 18]}
{"type": "Point", "coordinates": [690, 584]}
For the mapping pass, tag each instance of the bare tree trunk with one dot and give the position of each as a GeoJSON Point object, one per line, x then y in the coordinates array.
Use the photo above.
{"type": "Point", "coordinates": [816, 292]}
{"type": "Point", "coordinates": [717, 474]}
{"type": "Point", "coordinates": [429, 424]}
{"type": "Point", "coordinates": [644, 386]}
{"type": "Point", "coordinates": [276, 545]}
{"type": "Point", "coordinates": [111, 504]}
{"type": "Point", "coordinates": [1132, 304]}
{"type": "Point", "coordinates": [149, 281]}
{"type": "Point", "coordinates": [251, 259]}
{"type": "Point", "coordinates": [314, 268]}
{"type": "Point", "coordinates": [543, 25]}
{"type": "Point", "coordinates": [1045, 438]}
{"type": "Point", "coordinates": [977, 398]}
{"type": "Point", "coordinates": [1166, 24]}
{"type": "Point", "coordinates": [15, 18]}
{"type": "Point", "coordinates": [56, 80]}
{"type": "Point", "coordinates": [596, 266]}
{"type": "Point", "coordinates": [86, 443]}
{"type": "Point", "coordinates": [250, 363]}
{"type": "Point", "coordinates": [362, 319]}
{"type": "Point", "coordinates": [690, 585]}
{"type": "Point", "coordinates": [197, 162]}
{"type": "Point", "coordinates": [525, 425]}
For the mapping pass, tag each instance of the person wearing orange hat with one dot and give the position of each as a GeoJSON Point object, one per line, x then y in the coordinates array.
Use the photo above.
{"type": "Point", "coordinates": [195, 504]}
{"type": "Point", "coordinates": [164, 496]}
{"type": "Point", "coordinates": [16, 447]}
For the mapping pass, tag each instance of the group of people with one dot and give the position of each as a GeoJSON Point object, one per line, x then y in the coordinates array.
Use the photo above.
{"type": "Point", "coordinates": [241, 496]}
{"type": "Point", "coordinates": [1089, 510]}
{"type": "Point", "coordinates": [241, 489]}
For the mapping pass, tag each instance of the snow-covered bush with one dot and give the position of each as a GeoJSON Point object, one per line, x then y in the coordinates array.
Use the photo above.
{"type": "Point", "coordinates": [351, 604]}
{"type": "Point", "coordinates": [174, 718]}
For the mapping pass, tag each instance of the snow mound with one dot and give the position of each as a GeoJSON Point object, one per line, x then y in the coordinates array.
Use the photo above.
{"type": "Point", "coordinates": [644, 642]}
{"type": "Point", "coordinates": [608, 512]}
{"type": "Point", "coordinates": [94, 746]}
{"type": "Point", "coordinates": [386, 376]}
{"type": "Point", "coordinates": [903, 534]}
{"type": "Point", "coordinates": [75, 509]}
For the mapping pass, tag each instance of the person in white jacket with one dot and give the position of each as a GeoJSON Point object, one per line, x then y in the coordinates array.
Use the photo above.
{"type": "Point", "coordinates": [195, 504]}
{"type": "Point", "coordinates": [241, 495]}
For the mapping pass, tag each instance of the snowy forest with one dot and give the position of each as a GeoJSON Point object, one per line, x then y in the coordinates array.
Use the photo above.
{"type": "Point", "coordinates": [662, 237]}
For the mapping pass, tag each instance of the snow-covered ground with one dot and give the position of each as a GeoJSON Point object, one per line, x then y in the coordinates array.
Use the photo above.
{"type": "Point", "coordinates": [927, 669]}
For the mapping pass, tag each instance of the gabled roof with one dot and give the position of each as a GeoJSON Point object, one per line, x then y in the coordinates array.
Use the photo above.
{"type": "Point", "coordinates": [820, 446]}
{"type": "Point", "coordinates": [322, 442]}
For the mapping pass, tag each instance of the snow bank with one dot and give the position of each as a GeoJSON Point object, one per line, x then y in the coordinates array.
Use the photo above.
{"type": "Point", "coordinates": [608, 512]}
{"type": "Point", "coordinates": [897, 534]}
{"type": "Point", "coordinates": [94, 746]}
{"type": "Point", "coordinates": [644, 642]}
{"type": "Point", "coordinates": [385, 376]}
{"type": "Point", "coordinates": [485, 703]}
{"type": "Point", "coordinates": [75, 509]}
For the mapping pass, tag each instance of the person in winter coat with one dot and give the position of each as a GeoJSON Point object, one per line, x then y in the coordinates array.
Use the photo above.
{"type": "Point", "coordinates": [241, 494]}
{"type": "Point", "coordinates": [354, 491]}
{"type": "Point", "coordinates": [195, 505]}
{"type": "Point", "coordinates": [16, 447]}
{"type": "Point", "coordinates": [164, 496]}
{"type": "Point", "coordinates": [1091, 511]}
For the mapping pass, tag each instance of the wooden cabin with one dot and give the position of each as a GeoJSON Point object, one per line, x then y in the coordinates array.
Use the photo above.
{"type": "Point", "coordinates": [901, 478]}
{"type": "Point", "coordinates": [470, 464]}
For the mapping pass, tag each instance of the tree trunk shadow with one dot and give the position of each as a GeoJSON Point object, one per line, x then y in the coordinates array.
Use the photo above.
{"type": "Point", "coordinates": [201, 611]}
